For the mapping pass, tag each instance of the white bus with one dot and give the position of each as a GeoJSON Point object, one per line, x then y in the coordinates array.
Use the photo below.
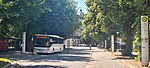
{"type": "Point", "coordinates": [47, 43]}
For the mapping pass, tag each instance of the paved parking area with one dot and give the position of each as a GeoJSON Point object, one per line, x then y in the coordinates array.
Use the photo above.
{"type": "Point", "coordinates": [74, 57]}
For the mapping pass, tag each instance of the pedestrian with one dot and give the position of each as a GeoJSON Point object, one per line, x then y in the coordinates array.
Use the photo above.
{"type": "Point", "coordinates": [98, 45]}
{"type": "Point", "coordinates": [31, 47]}
{"type": "Point", "coordinates": [90, 46]}
{"type": "Point", "coordinates": [21, 46]}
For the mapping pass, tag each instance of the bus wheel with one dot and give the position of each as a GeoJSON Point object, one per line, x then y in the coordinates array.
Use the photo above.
{"type": "Point", "coordinates": [53, 49]}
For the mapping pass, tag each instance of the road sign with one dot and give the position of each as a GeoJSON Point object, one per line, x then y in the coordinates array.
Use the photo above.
{"type": "Point", "coordinates": [145, 19]}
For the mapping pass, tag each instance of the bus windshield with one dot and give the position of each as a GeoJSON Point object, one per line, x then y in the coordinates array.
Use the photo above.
{"type": "Point", "coordinates": [46, 40]}
{"type": "Point", "coordinates": [41, 42]}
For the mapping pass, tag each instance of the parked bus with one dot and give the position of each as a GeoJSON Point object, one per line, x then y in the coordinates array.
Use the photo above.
{"type": "Point", "coordinates": [47, 43]}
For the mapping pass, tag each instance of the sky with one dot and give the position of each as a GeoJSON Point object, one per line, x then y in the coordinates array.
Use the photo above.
{"type": "Point", "coordinates": [81, 4]}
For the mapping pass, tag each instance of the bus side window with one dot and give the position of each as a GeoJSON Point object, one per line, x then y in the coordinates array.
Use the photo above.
{"type": "Point", "coordinates": [51, 40]}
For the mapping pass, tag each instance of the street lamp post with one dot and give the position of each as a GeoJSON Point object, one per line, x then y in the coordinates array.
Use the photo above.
{"type": "Point", "coordinates": [1, 20]}
{"type": "Point", "coordinates": [24, 37]}
{"type": "Point", "coordinates": [112, 43]}
{"type": "Point", "coordinates": [81, 15]}
{"type": "Point", "coordinates": [117, 40]}
{"type": "Point", "coordinates": [23, 45]}
{"type": "Point", "coordinates": [105, 44]}
{"type": "Point", "coordinates": [120, 43]}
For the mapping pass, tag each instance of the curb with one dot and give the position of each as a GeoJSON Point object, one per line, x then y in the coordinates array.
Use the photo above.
{"type": "Point", "coordinates": [7, 66]}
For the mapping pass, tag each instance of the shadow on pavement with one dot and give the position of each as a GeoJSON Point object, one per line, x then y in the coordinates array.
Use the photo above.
{"type": "Point", "coordinates": [61, 58]}
{"type": "Point", "coordinates": [118, 55]}
{"type": "Point", "coordinates": [128, 56]}
{"type": "Point", "coordinates": [39, 66]}
{"type": "Point", "coordinates": [77, 51]}
{"type": "Point", "coordinates": [123, 58]}
{"type": "Point", "coordinates": [70, 54]}
{"type": "Point", "coordinates": [8, 54]}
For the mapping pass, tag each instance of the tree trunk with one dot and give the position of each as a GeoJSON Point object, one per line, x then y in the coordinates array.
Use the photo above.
{"type": "Point", "coordinates": [129, 45]}
{"type": "Point", "coordinates": [128, 50]}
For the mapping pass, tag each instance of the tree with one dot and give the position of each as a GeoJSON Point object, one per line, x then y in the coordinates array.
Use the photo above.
{"type": "Point", "coordinates": [18, 14]}
{"type": "Point", "coordinates": [38, 16]}
{"type": "Point", "coordinates": [92, 22]}
{"type": "Point", "coordinates": [116, 16]}
{"type": "Point", "coordinates": [63, 15]}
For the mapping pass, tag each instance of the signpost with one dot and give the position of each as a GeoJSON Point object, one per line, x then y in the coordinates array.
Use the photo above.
{"type": "Point", "coordinates": [105, 44]}
{"type": "Point", "coordinates": [24, 42]}
{"type": "Point", "coordinates": [112, 43]}
{"type": "Point", "coordinates": [120, 43]}
{"type": "Point", "coordinates": [144, 41]}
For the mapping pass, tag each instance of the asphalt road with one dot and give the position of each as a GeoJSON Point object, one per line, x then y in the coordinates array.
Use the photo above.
{"type": "Point", "coordinates": [75, 57]}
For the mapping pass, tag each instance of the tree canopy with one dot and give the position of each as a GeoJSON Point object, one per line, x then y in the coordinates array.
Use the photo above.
{"type": "Point", "coordinates": [107, 17]}
{"type": "Point", "coordinates": [38, 16]}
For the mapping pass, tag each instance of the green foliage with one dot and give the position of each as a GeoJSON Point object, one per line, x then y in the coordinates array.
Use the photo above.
{"type": "Point", "coordinates": [2, 64]}
{"type": "Point", "coordinates": [110, 49]}
{"type": "Point", "coordinates": [17, 15]}
{"type": "Point", "coordinates": [138, 57]}
{"type": "Point", "coordinates": [62, 16]}
{"type": "Point", "coordinates": [4, 61]}
{"type": "Point", "coordinates": [121, 16]}
{"type": "Point", "coordinates": [92, 23]}
{"type": "Point", "coordinates": [38, 16]}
